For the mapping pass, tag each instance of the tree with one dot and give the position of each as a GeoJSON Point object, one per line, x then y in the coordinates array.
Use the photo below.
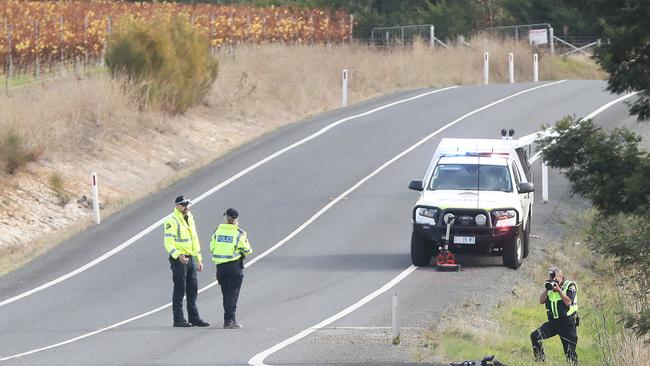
{"type": "Point", "coordinates": [610, 168]}
{"type": "Point", "coordinates": [625, 53]}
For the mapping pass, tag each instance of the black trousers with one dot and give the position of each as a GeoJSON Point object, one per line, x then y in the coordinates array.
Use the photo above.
{"type": "Point", "coordinates": [185, 284]}
{"type": "Point", "coordinates": [566, 329]}
{"type": "Point", "coordinates": [230, 276]}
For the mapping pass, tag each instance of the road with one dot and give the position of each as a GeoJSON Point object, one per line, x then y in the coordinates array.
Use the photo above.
{"type": "Point", "coordinates": [329, 220]}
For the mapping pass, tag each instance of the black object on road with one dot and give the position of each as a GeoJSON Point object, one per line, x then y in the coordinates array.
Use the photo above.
{"type": "Point", "coordinates": [487, 361]}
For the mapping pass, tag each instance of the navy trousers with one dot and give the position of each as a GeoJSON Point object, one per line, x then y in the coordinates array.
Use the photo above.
{"type": "Point", "coordinates": [185, 284]}
{"type": "Point", "coordinates": [230, 276]}
{"type": "Point", "coordinates": [563, 327]}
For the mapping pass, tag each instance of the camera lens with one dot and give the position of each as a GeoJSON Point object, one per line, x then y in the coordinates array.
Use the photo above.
{"type": "Point", "coordinates": [548, 285]}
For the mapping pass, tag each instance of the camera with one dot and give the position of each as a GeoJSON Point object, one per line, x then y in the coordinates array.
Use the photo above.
{"type": "Point", "coordinates": [550, 284]}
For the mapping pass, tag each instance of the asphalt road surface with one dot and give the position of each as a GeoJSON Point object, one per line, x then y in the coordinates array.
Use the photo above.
{"type": "Point", "coordinates": [329, 220]}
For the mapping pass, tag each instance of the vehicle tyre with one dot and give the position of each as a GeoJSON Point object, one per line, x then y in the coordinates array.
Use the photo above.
{"type": "Point", "coordinates": [527, 239]}
{"type": "Point", "coordinates": [513, 251]}
{"type": "Point", "coordinates": [421, 250]}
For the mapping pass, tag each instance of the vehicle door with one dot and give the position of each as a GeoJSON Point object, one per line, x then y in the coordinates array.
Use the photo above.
{"type": "Point", "coordinates": [525, 197]}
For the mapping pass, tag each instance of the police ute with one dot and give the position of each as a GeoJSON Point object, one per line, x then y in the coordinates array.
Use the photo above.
{"type": "Point", "coordinates": [482, 189]}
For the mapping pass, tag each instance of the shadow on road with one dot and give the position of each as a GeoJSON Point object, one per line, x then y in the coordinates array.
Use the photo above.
{"type": "Point", "coordinates": [342, 262]}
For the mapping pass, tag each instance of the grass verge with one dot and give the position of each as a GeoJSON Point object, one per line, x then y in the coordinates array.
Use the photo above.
{"type": "Point", "coordinates": [505, 330]}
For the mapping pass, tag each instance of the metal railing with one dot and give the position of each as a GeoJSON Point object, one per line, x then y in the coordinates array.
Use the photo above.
{"type": "Point", "coordinates": [404, 35]}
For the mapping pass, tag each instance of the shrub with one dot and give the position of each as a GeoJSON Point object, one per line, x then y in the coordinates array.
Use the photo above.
{"type": "Point", "coordinates": [56, 184]}
{"type": "Point", "coordinates": [166, 58]}
{"type": "Point", "coordinates": [15, 152]}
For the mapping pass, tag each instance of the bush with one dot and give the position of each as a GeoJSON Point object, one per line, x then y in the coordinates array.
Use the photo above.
{"type": "Point", "coordinates": [15, 152]}
{"type": "Point", "coordinates": [56, 184]}
{"type": "Point", "coordinates": [166, 58]}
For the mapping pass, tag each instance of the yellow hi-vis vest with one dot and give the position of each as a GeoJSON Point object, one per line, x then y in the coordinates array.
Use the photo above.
{"type": "Point", "coordinates": [229, 243]}
{"type": "Point", "coordinates": [556, 308]}
{"type": "Point", "coordinates": [180, 236]}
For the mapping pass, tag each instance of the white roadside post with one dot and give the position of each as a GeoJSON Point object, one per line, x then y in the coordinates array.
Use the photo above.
{"type": "Point", "coordinates": [396, 325]}
{"type": "Point", "coordinates": [551, 38]}
{"type": "Point", "coordinates": [535, 67]}
{"type": "Point", "coordinates": [95, 198]}
{"type": "Point", "coordinates": [344, 88]}
{"type": "Point", "coordinates": [544, 182]}
{"type": "Point", "coordinates": [486, 68]}
{"type": "Point", "coordinates": [511, 67]}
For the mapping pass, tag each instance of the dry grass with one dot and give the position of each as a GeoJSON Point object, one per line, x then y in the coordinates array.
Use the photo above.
{"type": "Point", "coordinates": [277, 81]}
{"type": "Point", "coordinates": [69, 115]}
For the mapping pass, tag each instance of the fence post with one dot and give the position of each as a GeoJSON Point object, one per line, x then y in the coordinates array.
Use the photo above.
{"type": "Point", "coordinates": [552, 40]}
{"type": "Point", "coordinates": [486, 68]}
{"type": "Point", "coordinates": [432, 36]}
{"type": "Point", "coordinates": [10, 71]}
{"type": "Point", "coordinates": [387, 39]}
{"type": "Point", "coordinates": [95, 193]}
{"type": "Point", "coordinates": [344, 88]}
{"type": "Point", "coordinates": [61, 44]}
{"type": "Point", "coordinates": [5, 65]}
{"type": "Point", "coordinates": [396, 325]}
{"type": "Point", "coordinates": [37, 66]}
{"type": "Point", "coordinates": [108, 35]}
{"type": "Point", "coordinates": [351, 26]}
{"type": "Point", "coordinates": [535, 67]}
{"type": "Point", "coordinates": [511, 67]}
{"type": "Point", "coordinates": [85, 42]}
{"type": "Point", "coordinates": [544, 182]}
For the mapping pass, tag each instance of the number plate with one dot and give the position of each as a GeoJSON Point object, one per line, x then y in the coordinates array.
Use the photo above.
{"type": "Point", "coordinates": [464, 240]}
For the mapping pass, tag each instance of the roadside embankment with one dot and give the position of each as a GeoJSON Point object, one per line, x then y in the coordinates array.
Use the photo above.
{"type": "Point", "coordinates": [64, 129]}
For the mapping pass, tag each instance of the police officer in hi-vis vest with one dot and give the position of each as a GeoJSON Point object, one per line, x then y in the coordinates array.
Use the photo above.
{"type": "Point", "coordinates": [561, 299]}
{"type": "Point", "coordinates": [229, 246]}
{"type": "Point", "coordinates": [182, 244]}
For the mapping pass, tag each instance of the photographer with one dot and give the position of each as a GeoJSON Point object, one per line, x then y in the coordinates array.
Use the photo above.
{"type": "Point", "coordinates": [560, 297]}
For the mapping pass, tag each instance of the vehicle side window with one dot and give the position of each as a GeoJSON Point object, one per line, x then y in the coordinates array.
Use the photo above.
{"type": "Point", "coordinates": [523, 158]}
{"type": "Point", "coordinates": [515, 172]}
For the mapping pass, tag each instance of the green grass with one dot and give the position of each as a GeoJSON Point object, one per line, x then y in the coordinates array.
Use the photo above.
{"type": "Point", "coordinates": [28, 78]}
{"type": "Point", "coordinates": [505, 331]}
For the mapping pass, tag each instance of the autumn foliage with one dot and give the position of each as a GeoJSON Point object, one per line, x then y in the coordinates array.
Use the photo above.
{"type": "Point", "coordinates": [61, 31]}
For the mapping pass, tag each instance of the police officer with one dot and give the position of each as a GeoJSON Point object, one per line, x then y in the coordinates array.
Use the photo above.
{"type": "Point", "coordinates": [229, 246]}
{"type": "Point", "coordinates": [182, 244]}
{"type": "Point", "coordinates": [561, 299]}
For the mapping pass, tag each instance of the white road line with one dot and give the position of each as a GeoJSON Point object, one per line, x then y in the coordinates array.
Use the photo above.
{"type": "Point", "coordinates": [589, 116]}
{"type": "Point", "coordinates": [299, 229]}
{"type": "Point", "coordinates": [258, 359]}
{"type": "Point", "coordinates": [135, 238]}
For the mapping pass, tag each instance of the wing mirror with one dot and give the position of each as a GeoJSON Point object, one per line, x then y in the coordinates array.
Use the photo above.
{"type": "Point", "coordinates": [525, 187]}
{"type": "Point", "coordinates": [416, 185]}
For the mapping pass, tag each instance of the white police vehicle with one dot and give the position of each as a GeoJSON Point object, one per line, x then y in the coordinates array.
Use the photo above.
{"type": "Point", "coordinates": [487, 185]}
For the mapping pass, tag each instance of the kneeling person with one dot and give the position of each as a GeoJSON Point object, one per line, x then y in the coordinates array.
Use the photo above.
{"type": "Point", "coordinates": [229, 246]}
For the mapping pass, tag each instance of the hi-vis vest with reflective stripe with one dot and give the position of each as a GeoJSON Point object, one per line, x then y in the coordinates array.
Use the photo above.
{"type": "Point", "coordinates": [556, 308]}
{"type": "Point", "coordinates": [180, 236]}
{"type": "Point", "coordinates": [229, 243]}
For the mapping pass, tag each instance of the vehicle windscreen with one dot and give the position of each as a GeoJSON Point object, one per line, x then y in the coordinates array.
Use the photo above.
{"type": "Point", "coordinates": [471, 177]}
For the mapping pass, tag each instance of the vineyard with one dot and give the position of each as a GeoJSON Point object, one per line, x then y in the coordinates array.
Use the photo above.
{"type": "Point", "coordinates": [48, 33]}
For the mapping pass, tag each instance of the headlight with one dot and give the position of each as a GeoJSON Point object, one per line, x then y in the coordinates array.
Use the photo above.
{"type": "Point", "coordinates": [505, 218]}
{"type": "Point", "coordinates": [480, 219]}
{"type": "Point", "coordinates": [425, 215]}
{"type": "Point", "coordinates": [427, 212]}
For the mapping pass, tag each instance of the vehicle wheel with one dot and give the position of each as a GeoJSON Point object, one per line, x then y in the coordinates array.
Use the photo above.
{"type": "Point", "coordinates": [527, 239]}
{"type": "Point", "coordinates": [421, 250]}
{"type": "Point", "coordinates": [513, 252]}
